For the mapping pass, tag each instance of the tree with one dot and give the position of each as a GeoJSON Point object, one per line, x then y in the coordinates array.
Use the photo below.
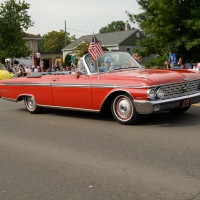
{"type": "Point", "coordinates": [13, 21]}
{"type": "Point", "coordinates": [170, 25]}
{"type": "Point", "coordinates": [67, 60]}
{"type": "Point", "coordinates": [55, 41]}
{"type": "Point", "coordinates": [82, 48]}
{"type": "Point", "coordinates": [40, 44]}
{"type": "Point", "coordinates": [113, 27]}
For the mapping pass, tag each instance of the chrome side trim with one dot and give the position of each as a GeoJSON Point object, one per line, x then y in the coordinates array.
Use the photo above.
{"type": "Point", "coordinates": [68, 108]}
{"type": "Point", "coordinates": [56, 107]}
{"type": "Point", "coordinates": [76, 85]}
{"type": "Point", "coordinates": [71, 85]}
{"type": "Point", "coordinates": [146, 77]}
{"type": "Point", "coordinates": [26, 84]}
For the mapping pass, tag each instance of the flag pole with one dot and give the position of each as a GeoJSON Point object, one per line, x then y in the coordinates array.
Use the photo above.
{"type": "Point", "coordinates": [95, 61]}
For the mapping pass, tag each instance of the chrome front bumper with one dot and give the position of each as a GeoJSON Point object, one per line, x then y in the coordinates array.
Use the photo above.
{"type": "Point", "coordinates": [148, 107]}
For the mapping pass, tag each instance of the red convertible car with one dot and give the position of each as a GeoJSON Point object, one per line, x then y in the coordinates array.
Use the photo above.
{"type": "Point", "coordinates": [114, 82]}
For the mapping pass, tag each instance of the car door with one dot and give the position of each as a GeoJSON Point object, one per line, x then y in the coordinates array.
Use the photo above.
{"type": "Point", "coordinates": [71, 92]}
{"type": "Point", "coordinates": [102, 85]}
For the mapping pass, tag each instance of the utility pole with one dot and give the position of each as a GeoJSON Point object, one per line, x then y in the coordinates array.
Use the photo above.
{"type": "Point", "coordinates": [65, 34]}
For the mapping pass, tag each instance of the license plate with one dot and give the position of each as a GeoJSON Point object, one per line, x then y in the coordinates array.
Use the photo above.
{"type": "Point", "coordinates": [185, 103]}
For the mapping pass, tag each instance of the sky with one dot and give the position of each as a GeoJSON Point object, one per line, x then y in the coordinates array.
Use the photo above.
{"type": "Point", "coordinates": [83, 17]}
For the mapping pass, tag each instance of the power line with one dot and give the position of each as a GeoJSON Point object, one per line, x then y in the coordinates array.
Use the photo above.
{"type": "Point", "coordinates": [77, 30]}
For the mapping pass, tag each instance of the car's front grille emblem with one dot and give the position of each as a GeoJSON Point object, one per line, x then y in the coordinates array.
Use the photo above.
{"type": "Point", "coordinates": [185, 88]}
{"type": "Point", "coordinates": [187, 79]}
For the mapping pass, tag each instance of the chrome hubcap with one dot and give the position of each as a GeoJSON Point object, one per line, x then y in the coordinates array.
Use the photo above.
{"type": "Point", "coordinates": [124, 108]}
{"type": "Point", "coordinates": [31, 103]}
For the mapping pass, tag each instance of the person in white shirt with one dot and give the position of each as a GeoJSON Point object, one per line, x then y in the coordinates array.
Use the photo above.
{"type": "Point", "coordinates": [27, 70]}
{"type": "Point", "coordinates": [38, 55]}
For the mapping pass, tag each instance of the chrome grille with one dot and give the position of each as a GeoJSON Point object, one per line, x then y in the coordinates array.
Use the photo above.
{"type": "Point", "coordinates": [181, 89]}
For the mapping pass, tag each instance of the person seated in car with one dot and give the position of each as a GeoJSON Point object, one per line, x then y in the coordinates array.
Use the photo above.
{"type": "Point", "coordinates": [109, 65]}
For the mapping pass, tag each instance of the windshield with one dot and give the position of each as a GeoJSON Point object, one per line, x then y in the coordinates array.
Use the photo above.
{"type": "Point", "coordinates": [111, 61]}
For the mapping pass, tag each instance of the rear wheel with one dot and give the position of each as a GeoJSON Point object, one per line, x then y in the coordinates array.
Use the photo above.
{"type": "Point", "coordinates": [31, 105]}
{"type": "Point", "coordinates": [123, 109]}
{"type": "Point", "coordinates": [179, 110]}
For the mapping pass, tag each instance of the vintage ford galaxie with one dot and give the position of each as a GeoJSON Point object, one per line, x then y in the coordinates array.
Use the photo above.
{"type": "Point", "coordinates": [114, 82]}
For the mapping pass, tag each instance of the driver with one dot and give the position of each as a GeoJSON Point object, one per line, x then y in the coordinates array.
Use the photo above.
{"type": "Point", "coordinates": [108, 65]}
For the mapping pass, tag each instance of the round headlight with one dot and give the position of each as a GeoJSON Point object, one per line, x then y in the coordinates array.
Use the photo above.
{"type": "Point", "coordinates": [160, 93]}
{"type": "Point", "coordinates": [151, 94]}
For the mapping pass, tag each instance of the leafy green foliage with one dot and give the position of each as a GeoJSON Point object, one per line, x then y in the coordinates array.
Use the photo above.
{"type": "Point", "coordinates": [157, 62]}
{"type": "Point", "coordinates": [113, 27]}
{"type": "Point", "coordinates": [40, 44]}
{"type": "Point", "coordinates": [81, 49]}
{"type": "Point", "coordinates": [170, 25]}
{"type": "Point", "coordinates": [55, 41]}
{"type": "Point", "coordinates": [13, 21]}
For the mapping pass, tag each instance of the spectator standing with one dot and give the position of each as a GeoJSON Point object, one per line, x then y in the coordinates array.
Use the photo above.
{"type": "Point", "coordinates": [34, 59]}
{"type": "Point", "coordinates": [192, 64]}
{"type": "Point", "coordinates": [181, 63]}
{"type": "Point", "coordinates": [137, 57]}
{"type": "Point", "coordinates": [41, 65]}
{"type": "Point", "coordinates": [172, 59]}
{"type": "Point", "coordinates": [38, 55]}
{"type": "Point", "coordinates": [72, 61]}
{"type": "Point", "coordinates": [57, 64]}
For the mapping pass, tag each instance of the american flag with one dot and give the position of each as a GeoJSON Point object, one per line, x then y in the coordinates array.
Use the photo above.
{"type": "Point", "coordinates": [95, 49]}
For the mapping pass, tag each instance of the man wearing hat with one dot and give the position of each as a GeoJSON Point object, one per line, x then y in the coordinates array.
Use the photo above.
{"type": "Point", "coordinates": [107, 64]}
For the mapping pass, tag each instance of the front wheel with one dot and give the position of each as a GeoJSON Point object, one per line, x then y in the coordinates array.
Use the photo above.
{"type": "Point", "coordinates": [31, 105]}
{"type": "Point", "coordinates": [123, 109]}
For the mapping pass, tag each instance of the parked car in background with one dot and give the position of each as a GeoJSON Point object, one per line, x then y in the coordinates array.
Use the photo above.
{"type": "Point", "coordinates": [116, 82]}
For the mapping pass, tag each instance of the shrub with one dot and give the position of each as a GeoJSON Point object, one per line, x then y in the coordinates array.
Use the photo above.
{"type": "Point", "coordinates": [67, 61]}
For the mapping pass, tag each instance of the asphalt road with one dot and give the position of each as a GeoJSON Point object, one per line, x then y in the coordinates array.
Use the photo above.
{"type": "Point", "coordinates": [68, 155]}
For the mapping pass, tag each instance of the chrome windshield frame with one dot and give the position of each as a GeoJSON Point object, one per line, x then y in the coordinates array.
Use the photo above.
{"type": "Point", "coordinates": [87, 60]}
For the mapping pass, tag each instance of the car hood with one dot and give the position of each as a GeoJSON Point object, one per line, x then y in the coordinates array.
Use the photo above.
{"type": "Point", "coordinates": [156, 76]}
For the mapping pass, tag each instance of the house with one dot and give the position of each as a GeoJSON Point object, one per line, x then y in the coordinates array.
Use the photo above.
{"type": "Point", "coordinates": [31, 41]}
{"type": "Point", "coordinates": [32, 44]}
{"type": "Point", "coordinates": [121, 40]}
